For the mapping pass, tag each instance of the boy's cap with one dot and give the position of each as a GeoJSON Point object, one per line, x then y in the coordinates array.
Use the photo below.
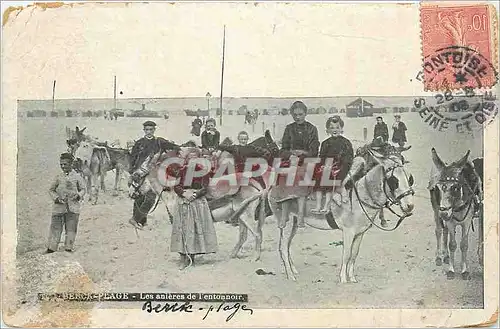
{"type": "Point", "coordinates": [149, 124]}
{"type": "Point", "coordinates": [397, 116]}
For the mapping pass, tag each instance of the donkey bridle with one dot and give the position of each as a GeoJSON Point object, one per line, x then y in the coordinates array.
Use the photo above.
{"type": "Point", "coordinates": [390, 201]}
{"type": "Point", "coordinates": [467, 204]}
{"type": "Point", "coordinates": [137, 183]}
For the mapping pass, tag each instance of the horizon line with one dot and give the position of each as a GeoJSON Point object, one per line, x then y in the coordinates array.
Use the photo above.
{"type": "Point", "coordinates": [238, 97]}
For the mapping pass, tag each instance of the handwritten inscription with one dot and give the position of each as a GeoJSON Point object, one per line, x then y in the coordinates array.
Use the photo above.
{"type": "Point", "coordinates": [229, 308]}
{"type": "Point", "coordinates": [151, 307]}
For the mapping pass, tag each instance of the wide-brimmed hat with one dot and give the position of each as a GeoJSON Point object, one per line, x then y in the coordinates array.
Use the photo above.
{"type": "Point", "coordinates": [397, 116]}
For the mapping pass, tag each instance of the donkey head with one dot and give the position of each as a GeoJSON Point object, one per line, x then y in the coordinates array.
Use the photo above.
{"type": "Point", "coordinates": [398, 181]}
{"type": "Point", "coordinates": [137, 180]}
{"type": "Point", "coordinates": [83, 153]}
{"type": "Point", "coordinates": [75, 138]}
{"type": "Point", "coordinates": [79, 133]}
{"type": "Point", "coordinates": [450, 184]}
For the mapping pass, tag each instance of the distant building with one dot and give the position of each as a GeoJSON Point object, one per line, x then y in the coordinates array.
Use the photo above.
{"type": "Point", "coordinates": [36, 114]}
{"type": "Point", "coordinates": [117, 112]}
{"type": "Point", "coordinates": [362, 108]}
{"type": "Point", "coordinates": [359, 108]}
{"type": "Point", "coordinates": [144, 114]}
{"type": "Point", "coordinates": [201, 113]}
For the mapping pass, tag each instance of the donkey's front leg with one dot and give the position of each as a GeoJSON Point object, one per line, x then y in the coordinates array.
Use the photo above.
{"type": "Point", "coordinates": [480, 242]}
{"type": "Point", "coordinates": [348, 238]}
{"type": "Point", "coordinates": [446, 252]}
{"type": "Point", "coordinates": [117, 181]}
{"type": "Point", "coordinates": [438, 231]}
{"type": "Point", "coordinates": [94, 191]}
{"type": "Point", "coordinates": [464, 246]}
{"type": "Point", "coordinates": [452, 245]}
{"type": "Point", "coordinates": [89, 191]}
{"type": "Point", "coordinates": [101, 178]}
{"type": "Point", "coordinates": [383, 221]}
{"type": "Point", "coordinates": [283, 252]}
{"type": "Point", "coordinates": [355, 251]}
{"type": "Point", "coordinates": [241, 240]}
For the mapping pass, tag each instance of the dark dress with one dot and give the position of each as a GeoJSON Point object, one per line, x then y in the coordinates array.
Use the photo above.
{"type": "Point", "coordinates": [399, 133]}
{"type": "Point", "coordinates": [340, 149]}
{"type": "Point", "coordinates": [196, 126]}
{"type": "Point", "coordinates": [209, 140]}
{"type": "Point", "coordinates": [300, 137]}
{"type": "Point", "coordinates": [381, 130]}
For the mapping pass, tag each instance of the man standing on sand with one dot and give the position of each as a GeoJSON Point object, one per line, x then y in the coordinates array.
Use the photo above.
{"type": "Point", "coordinates": [148, 145]}
{"type": "Point", "coordinates": [381, 130]}
{"type": "Point", "coordinates": [399, 131]}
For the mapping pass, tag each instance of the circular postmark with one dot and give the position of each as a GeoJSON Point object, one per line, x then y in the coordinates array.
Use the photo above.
{"type": "Point", "coordinates": [456, 68]}
{"type": "Point", "coordinates": [459, 111]}
{"type": "Point", "coordinates": [460, 77]}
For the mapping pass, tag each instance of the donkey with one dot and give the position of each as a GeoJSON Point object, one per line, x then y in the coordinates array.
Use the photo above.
{"type": "Point", "coordinates": [366, 160]}
{"type": "Point", "coordinates": [258, 210]}
{"type": "Point", "coordinates": [455, 192]}
{"type": "Point", "coordinates": [244, 203]}
{"type": "Point", "coordinates": [94, 159]}
{"type": "Point", "coordinates": [93, 162]}
{"type": "Point", "coordinates": [386, 184]}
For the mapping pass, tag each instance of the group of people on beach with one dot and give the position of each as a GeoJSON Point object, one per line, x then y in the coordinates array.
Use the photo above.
{"type": "Point", "coordinates": [193, 231]}
{"type": "Point", "coordinates": [398, 131]}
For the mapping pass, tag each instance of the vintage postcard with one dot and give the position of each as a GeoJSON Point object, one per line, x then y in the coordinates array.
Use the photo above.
{"type": "Point", "coordinates": [246, 164]}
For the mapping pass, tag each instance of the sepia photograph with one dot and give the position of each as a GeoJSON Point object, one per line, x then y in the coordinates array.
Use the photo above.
{"type": "Point", "coordinates": [250, 164]}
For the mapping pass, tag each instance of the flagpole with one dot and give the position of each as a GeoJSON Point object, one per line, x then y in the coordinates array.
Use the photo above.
{"type": "Point", "coordinates": [222, 74]}
{"type": "Point", "coordinates": [114, 93]}
{"type": "Point", "coordinates": [54, 96]}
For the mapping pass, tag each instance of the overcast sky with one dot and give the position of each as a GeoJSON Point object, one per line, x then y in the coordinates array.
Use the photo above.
{"type": "Point", "coordinates": [164, 50]}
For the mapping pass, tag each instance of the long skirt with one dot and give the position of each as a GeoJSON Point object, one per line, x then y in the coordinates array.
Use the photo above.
{"type": "Point", "coordinates": [193, 230]}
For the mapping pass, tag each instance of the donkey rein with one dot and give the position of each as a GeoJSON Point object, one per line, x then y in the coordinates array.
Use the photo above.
{"type": "Point", "coordinates": [361, 203]}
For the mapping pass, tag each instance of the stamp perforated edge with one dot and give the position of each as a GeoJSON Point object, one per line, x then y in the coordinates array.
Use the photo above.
{"type": "Point", "coordinates": [493, 38]}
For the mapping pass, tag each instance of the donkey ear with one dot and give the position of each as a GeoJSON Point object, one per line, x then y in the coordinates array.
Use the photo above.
{"type": "Point", "coordinates": [437, 160]}
{"type": "Point", "coordinates": [463, 161]}
{"type": "Point", "coordinates": [402, 149]}
{"type": "Point", "coordinates": [377, 155]}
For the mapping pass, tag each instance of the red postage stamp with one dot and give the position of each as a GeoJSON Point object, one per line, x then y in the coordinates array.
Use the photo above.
{"type": "Point", "coordinates": [459, 45]}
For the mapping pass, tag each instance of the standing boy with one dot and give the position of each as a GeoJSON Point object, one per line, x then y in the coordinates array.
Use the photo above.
{"type": "Point", "coordinates": [399, 131]}
{"type": "Point", "coordinates": [381, 130]}
{"type": "Point", "coordinates": [67, 192]}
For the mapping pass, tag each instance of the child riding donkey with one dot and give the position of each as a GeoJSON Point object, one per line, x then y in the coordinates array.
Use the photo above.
{"type": "Point", "coordinates": [339, 149]}
{"type": "Point", "coordinates": [300, 140]}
